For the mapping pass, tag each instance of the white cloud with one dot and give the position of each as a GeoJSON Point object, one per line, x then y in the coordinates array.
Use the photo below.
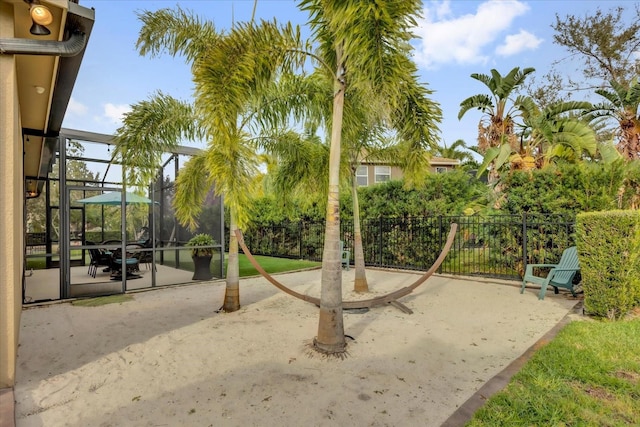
{"type": "Point", "coordinates": [115, 113]}
{"type": "Point", "coordinates": [449, 39]}
{"type": "Point", "coordinates": [516, 43]}
{"type": "Point", "coordinates": [443, 9]}
{"type": "Point", "coordinates": [77, 108]}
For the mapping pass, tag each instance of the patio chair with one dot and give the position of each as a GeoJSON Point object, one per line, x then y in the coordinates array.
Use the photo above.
{"type": "Point", "coordinates": [143, 257]}
{"type": "Point", "coordinates": [131, 265]}
{"type": "Point", "coordinates": [99, 258]}
{"type": "Point", "coordinates": [345, 256]}
{"type": "Point", "coordinates": [560, 275]}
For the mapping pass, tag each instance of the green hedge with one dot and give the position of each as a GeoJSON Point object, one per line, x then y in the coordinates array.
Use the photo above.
{"type": "Point", "coordinates": [609, 252]}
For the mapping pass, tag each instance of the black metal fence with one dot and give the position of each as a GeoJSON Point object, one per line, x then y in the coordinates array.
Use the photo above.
{"type": "Point", "coordinates": [495, 246]}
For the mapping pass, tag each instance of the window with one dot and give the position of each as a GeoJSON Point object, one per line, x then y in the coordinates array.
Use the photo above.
{"type": "Point", "coordinates": [440, 169]}
{"type": "Point", "coordinates": [362, 176]}
{"type": "Point", "coordinates": [383, 173]}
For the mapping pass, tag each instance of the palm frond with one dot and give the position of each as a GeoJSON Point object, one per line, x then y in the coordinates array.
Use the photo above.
{"type": "Point", "coordinates": [575, 134]}
{"type": "Point", "coordinates": [490, 155]}
{"type": "Point", "coordinates": [610, 96]}
{"type": "Point", "coordinates": [608, 152]}
{"type": "Point", "coordinates": [176, 32]}
{"type": "Point", "coordinates": [513, 79]}
{"type": "Point", "coordinates": [152, 128]}
{"type": "Point", "coordinates": [192, 185]}
{"type": "Point", "coordinates": [487, 80]}
{"type": "Point", "coordinates": [481, 102]}
{"type": "Point", "coordinates": [416, 117]}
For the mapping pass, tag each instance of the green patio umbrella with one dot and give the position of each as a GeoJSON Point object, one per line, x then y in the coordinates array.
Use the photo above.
{"type": "Point", "coordinates": [114, 198]}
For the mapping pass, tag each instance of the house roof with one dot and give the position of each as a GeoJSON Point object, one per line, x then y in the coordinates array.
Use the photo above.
{"type": "Point", "coordinates": [443, 161]}
{"type": "Point", "coordinates": [434, 161]}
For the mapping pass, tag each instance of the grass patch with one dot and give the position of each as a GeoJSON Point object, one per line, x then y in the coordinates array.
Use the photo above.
{"type": "Point", "coordinates": [589, 375]}
{"type": "Point", "coordinates": [271, 265]}
{"type": "Point", "coordinates": [98, 301]}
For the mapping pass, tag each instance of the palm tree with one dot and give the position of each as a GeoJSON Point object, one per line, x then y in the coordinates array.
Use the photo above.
{"type": "Point", "coordinates": [552, 134]}
{"type": "Point", "coordinates": [556, 132]}
{"type": "Point", "coordinates": [498, 126]}
{"type": "Point", "coordinates": [455, 151]}
{"type": "Point", "coordinates": [363, 48]}
{"type": "Point", "coordinates": [229, 71]}
{"type": "Point", "coordinates": [623, 104]}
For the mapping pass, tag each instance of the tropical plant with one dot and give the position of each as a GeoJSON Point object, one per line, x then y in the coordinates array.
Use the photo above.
{"type": "Point", "coordinates": [201, 244]}
{"type": "Point", "coordinates": [458, 151]}
{"type": "Point", "coordinates": [229, 71]}
{"type": "Point", "coordinates": [497, 127]}
{"type": "Point", "coordinates": [555, 132]}
{"type": "Point", "coordinates": [363, 50]}
{"type": "Point", "coordinates": [623, 105]}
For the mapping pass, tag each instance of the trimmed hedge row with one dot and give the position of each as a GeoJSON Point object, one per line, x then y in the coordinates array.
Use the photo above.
{"type": "Point", "coordinates": [609, 252]}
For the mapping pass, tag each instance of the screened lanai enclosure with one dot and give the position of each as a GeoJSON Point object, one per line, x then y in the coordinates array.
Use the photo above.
{"type": "Point", "coordinates": [83, 238]}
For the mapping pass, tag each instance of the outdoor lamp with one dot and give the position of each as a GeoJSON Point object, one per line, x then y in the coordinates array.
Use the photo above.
{"type": "Point", "coordinates": [41, 16]}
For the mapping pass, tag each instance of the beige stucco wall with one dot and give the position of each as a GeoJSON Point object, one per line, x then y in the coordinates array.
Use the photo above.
{"type": "Point", "coordinates": [11, 208]}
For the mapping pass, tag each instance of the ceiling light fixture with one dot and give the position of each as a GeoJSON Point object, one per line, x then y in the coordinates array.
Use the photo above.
{"type": "Point", "coordinates": [39, 90]}
{"type": "Point", "coordinates": [40, 16]}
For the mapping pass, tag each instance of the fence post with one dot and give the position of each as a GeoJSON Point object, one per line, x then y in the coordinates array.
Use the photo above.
{"type": "Point", "coordinates": [524, 240]}
{"type": "Point", "coordinates": [440, 238]}
{"type": "Point", "coordinates": [300, 239]}
{"type": "Point", "coordinates": [380, 240]}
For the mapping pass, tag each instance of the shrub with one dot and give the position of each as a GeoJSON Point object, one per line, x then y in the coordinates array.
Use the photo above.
{"type": "Point", "coordinates": [198, 241]}
{"type": "Point", "coordinates": [609, 252]}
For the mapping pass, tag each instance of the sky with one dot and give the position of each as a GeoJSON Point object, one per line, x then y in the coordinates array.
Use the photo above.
{"type": "Point", "coordinates": [456, 38]}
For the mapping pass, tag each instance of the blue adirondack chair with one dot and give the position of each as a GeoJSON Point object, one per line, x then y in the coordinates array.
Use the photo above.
{"type": "Point", "coordinates": [560, 275]}
{"type": "Point", "coordinates": [345, 256]}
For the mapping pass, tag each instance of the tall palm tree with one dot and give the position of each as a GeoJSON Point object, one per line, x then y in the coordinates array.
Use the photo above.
{"type": "Point", "coordinates": [362, 47]}
{"type": "Point", "coordinates": [623, 104]}
{"type": "Point", "coordinates": [229, 71]}
{"type": "Point", "coordinates": [497, 127]}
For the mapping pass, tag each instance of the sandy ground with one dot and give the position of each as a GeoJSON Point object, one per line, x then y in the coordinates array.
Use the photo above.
{"type": "Point", "coordinates": [168, 359]}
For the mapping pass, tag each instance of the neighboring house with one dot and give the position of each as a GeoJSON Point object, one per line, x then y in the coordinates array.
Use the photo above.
{"type": "Point", "coordinates": [370, 173]}
{"type": "Point", "coordinates": [39, 65]}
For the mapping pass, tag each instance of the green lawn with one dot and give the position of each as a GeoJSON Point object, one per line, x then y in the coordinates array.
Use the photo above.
{"type": "Point", "coordinates": [589, 375]}
{"type": "Point", "coordinates": [271, 265]}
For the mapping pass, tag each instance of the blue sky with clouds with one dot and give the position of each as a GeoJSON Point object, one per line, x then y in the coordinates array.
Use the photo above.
{"type": "Point", "coordinates": [457, 38]}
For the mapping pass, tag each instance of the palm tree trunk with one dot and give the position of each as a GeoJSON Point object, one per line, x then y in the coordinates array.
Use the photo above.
{"type": "Point", "coordinates": [330, 338]}
{"type": "Point", "coordinates": [232, 291]}
{"type": "Point", "coordinates": [360, 284]}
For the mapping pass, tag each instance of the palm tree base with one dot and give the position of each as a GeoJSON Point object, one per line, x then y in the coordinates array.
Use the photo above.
{"type": "Point", "coordinates": [231, 300]}
{"type": "Point", "coordinates": [330, 339]}
{"type": "Point", "coordinates": [337, 350]}
{"type": "Point", "coordinates": [361, 285]}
